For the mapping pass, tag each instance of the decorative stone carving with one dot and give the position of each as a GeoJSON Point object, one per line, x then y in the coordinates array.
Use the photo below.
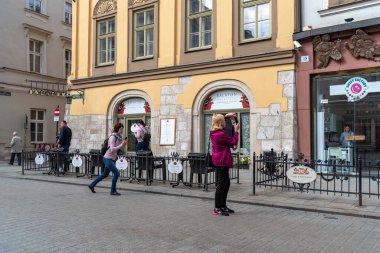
{"type": "Point", "coordinates": [133, 2]}
{"type": "Point", "coordinates": [326, 49]}
{"type": "Point", "coordinates": [104, 7]}
{"type": "Point", "coordinates": [363, 46]}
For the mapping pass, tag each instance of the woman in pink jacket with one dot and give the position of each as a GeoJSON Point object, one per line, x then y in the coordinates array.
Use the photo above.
{"type": "Point", "coordinates": [222, 160]}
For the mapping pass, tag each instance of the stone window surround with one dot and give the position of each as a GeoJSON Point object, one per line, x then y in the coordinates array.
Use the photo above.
{"type": "Point", "coordinates": [43, 67]}
{"type": "Point", "coordinates": [64, 12]}
{"type": "Point", "coordinates": [116, 100]}
{"type": "Point", "coordinates": [197, 110]}
{"type": "Point", "coordinates": [66, 45]}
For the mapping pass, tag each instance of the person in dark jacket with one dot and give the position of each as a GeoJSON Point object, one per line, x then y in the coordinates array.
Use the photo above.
{"type": "Point", "coordinates": [222, 160]}
{"type": "Point", "coordinates": [64, 137]}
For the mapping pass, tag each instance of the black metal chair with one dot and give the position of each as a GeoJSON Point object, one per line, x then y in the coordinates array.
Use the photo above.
{"type": "Point", "coordinates": [146, 161]}
{"type": "Point", "coordinates": [198, 166]}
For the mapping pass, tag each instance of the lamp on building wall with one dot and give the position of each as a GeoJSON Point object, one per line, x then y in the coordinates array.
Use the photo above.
{"type": "Point", "coordinates": [79, 94]}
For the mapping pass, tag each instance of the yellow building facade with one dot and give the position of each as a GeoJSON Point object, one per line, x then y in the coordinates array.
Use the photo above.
{"type": "Point", "coordinates": [180, 61]}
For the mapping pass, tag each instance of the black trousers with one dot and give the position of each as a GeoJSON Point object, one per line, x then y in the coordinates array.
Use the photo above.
{"type": "Point", "coordinates": [13, 158]}
{"type": "Point", "coordinates": [222, 187]}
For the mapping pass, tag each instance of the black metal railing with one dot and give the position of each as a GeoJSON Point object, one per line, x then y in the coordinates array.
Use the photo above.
{"type": "Point", "coordinates": [142, 167]}
{"type": "Point", "coordinates": [337, 177]}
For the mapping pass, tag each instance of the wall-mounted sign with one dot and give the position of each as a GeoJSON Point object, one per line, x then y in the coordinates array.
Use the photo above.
{"type": "Point", "coordinates": [301, 174]}
{"type": "Point", "coordinates": [356, 88]}
{"type": "Point", "coordinates": [167, 132]}
{"type": "Point", "coordinates": [56, 114]}
{"type": "Point", "coordinates": [121, 163]}
{"type": "Point", "coordinates": [133, 106]}
{"type": "Point", "coordinates": [226, 100]}
{"type": "Point", "coordinates": [49, 93]}
{"type": "Point", "coordinates": [305, 58]}
{"type": "Point", "coordinates": [39, 159]}
{"type": "Point", "coordinates": [77, 161]}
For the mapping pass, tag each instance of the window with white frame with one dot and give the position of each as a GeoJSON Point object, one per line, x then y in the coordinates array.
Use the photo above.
{"type": "Point", "coordinates": [37, 125]}
{"type": "Point", "coordinates": [143, 33]}
{"type": "Point", "coordinates": [35, 5]}
{"type": "Point", "coordinates": [67, 62]}
{"type": "Point", "coordinates": [106, 41]}
{"type": "Point", "coordinates": [68, 12]}
{"type": "Point", "coordinates": [35, 56]}
{"type": "Point", "coordinates": [199, 24]}
{"type": "Point", "coordinates": [255, 20]}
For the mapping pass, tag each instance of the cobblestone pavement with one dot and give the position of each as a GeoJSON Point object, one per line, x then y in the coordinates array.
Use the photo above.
{"type": "Point", "coordinates": [50, 217]}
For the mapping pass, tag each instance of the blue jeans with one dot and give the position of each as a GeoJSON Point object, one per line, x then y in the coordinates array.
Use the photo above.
{"type": "Point", "coordinates": [109, 166]}
{"type": "Point", "coordinates": [142, 145]}
{"type": "Point", "coordinates": [65, 148]}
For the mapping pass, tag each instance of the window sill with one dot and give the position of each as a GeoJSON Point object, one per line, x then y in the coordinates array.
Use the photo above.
{"type": "Point", "coordinates": [36, 14]}
{"type": "Point", "coordinates": [143, 58]}
{"type": "Point", "coordinates": [198, 49]}
{"type": "Point", "coordinates": [66, 24]}
{"type": "Point", "coordinates": [105, 65]}
{"type": "Point", "coordinates": [348, 7]}
{"type": "Point", "coordinates": [254, 40]}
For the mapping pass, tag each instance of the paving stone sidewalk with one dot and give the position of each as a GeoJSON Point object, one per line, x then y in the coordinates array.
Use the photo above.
{"type": "Point", "coordinates": [239, 193]}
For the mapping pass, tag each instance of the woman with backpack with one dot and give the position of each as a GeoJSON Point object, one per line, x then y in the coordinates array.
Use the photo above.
{"type": "Point", "coordinates": [142, 136]}
{"type": "Point", "coordinates": [222, 159]}
{"type": "Point", "coordinates": [115, 143]}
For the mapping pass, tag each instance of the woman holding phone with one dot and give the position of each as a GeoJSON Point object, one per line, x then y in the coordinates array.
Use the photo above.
{"type": "Point", "coordinates": [222, 159]}
{"type": "Point", "coordinates": [115, 143]}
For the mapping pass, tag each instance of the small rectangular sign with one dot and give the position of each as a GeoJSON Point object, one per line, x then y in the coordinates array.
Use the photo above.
{"type": "Point", "coordinates": [324, 101]}
{"type": "Point", "coordinates": [305, 58]}
{"type": "Point", "coordinates": [5, 93]}
{"type": "Point", "coordinates": [56, 118]}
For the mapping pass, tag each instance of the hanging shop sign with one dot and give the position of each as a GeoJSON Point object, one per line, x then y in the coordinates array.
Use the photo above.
{"type": "Point", "coordinates": [49, 93]}
{"type": "Point", "coordinates": [175, 167]}
{"type": "Point", "coordinates": [226, 100]}
{"type": "Point", "coordinates": [77, 161]}
{"type": "Point", "coordinates": [356, 88]}
{"type": "Point", "coordinates": [133, 106]}
{"type": "Point", "coordinates": [301, 174]}
{"type": "Point", "coordinates": [121, 163]}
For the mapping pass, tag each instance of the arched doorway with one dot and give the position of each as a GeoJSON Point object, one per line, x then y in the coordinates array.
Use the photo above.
{"type": "Point", "coordinates": [225, 101]}
{"type": "Point", "coordinates": [128, 112]}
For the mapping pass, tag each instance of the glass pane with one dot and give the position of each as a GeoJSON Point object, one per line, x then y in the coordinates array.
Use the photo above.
{"type": "Point", "coordinates": [149, 49]}
{"type": "Point", "coordinates": [32, 136]}
{"type": "Point", "coordinates": [139, 19]}
{"type": "Point", "coordinates": [40, 127]}
{"type": "Point", "coordinates": [150, 17]}
{"type": "Point", "coordinates": [206, 23]}
{"type": "Point", "coordinates": [111, 26]}
{"type": "Point", "coordinates": [31, 4]}
{"type": "Point", "coordinates": [111, 55]}
{"type": "Point", "coordinates": [194, 40]}
{"type": "Point", "coordinates": [38, 47]}
{"type": "Point", "coordinates": [140, 37]}
{"type": "Point", "coordinates": [194, 25]}
{"type": "Point", "coordinates": [103, 57]}
{"type": "Point", "coordinates": [206, 39]}
{"type": "Point", "coordinates": [207, 128]}
{"type": "Point", "coordinates": [264, 28]}
{"type": "Point", "coordinates": [38, 5]}
{"type": "Point", "coordinates": [67, 55]}
{"type": "Point", "coordinates": [103, 44]}
{"type": "Point", "coordinates": [31, 62]}
{"type": "Point", "coordinates": [206, 5]}
{"type": "Point", "coordinates": [245, 129]}
{"type": "Point", "coordinates": [193, 6]}
{"type": "Point", "coordinates": [32, 114]}
{"type": "Point", "coordinates": [249, 31]}
{"type": "Point", "coordinates": [31, 46]}
{"type": "Point", "coordinates": [111, 43]}
{"type": "Point", "coordinates": [140, 50]}
{"type": "Point", "coordinates": [40, 137]}
{"type": "Point", "coordinates": [149, 35]}
{"type": "Point", "coordinates": [40, 115]}
{"type": "Point", "coordinates": [249, 14]}
{"type": "Point", "coordinates": [102, 28]}
{"type": "Point", "coordinates": [37, 65]}
{"type": "Point", "coordinates": [32, 127]}
{"type": "Point", "coordinates": [264, 11]}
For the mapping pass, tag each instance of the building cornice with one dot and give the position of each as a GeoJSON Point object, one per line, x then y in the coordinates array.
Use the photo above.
{"type": "Point", "coordinates": [57, 79]}
{"type": "Point", "coordinates": [336, 28]}
{"type": "Point", "coordinates": [230, 64]}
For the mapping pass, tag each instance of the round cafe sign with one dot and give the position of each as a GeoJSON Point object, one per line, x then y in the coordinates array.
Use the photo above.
{"type": "Point", "coordinates": [356, 88]}
{"type": "Point", "coordinates": [301, 174]}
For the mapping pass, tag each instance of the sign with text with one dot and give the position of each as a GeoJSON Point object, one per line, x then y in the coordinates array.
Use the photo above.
{"type": "Point", "coordinates": [167, 132]}
{"type": "Point", "coordinates": [226, 100]}
{"type": "Point", "coordinates": [175, 167]}
{"type": "Point", "coordinates": [133, 106]}
{"type": "Point", "coordinates": [77, 161]}
{"type": "Point", "coordinates": [49, 93]}
{"type": "Point", "coordinates": [301, 174]}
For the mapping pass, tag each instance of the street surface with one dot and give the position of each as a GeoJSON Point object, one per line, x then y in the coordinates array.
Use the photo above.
{"type": "Point", "coordinates": [50, 217]}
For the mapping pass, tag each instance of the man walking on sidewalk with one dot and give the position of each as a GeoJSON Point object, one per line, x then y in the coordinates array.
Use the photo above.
{"type": "Point", "coordinates": [16, 148]}
{"type": "Point", "coordinates": [64, 138]}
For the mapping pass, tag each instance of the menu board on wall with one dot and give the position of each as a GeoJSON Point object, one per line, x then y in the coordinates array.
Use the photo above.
{"type": "Point", "coordinates": [167, 132]}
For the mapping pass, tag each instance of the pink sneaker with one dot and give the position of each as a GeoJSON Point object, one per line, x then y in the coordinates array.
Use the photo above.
{"type": "Point", "coordinates": [219, 212]}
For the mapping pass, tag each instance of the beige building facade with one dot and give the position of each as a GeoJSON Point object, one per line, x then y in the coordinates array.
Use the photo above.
{"type": "Point", "coordinates": [35, 60]}
{"type": "Point", "coordinates": [181, 61]}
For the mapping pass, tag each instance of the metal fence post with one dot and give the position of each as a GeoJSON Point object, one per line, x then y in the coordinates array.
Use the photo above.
{"type": "Point", "coordinates": [254, 174]}
{"type": "Point", "coordinates": [22, 162]}
{"type": "Point", "coordinates": [360, 182]}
